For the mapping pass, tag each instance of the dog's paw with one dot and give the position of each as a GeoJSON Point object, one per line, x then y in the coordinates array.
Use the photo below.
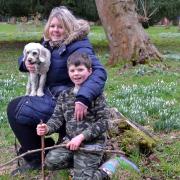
{"type": "Point", "coordinates": [32, 94]}
{"type": "Point", "coordinates": [40, 93]}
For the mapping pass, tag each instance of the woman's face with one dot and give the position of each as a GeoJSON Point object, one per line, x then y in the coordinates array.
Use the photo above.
{"type": "Point", "coordinates": [56, 31]}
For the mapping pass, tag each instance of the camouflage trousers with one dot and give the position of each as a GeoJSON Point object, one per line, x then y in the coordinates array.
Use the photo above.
{"type": "Point", "coordinates": [85, 165]}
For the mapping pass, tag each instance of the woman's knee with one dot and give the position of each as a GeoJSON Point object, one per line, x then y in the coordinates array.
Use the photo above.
{"type": "Point", "coordinates": [11, 108]}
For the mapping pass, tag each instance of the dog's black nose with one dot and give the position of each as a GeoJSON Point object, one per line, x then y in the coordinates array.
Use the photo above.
{"type": "Point", "coordinates": [30, 61]}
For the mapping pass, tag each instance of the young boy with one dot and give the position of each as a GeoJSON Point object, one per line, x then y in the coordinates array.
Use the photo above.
{"type": "Point", "coordinates": [90, 132]}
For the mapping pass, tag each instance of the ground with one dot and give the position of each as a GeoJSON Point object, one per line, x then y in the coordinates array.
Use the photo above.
{"type": "Point", "coordinates": [153, 162]}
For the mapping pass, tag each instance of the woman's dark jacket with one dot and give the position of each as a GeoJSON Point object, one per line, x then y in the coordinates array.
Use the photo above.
{"type": "Point", "coordinates": [58, 73]}
{"type": "Point", "coordinates": [58, 79]}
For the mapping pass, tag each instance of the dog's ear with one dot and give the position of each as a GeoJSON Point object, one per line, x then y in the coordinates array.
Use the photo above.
{"type": "Point", "coordinates": [43, 55]}
{"type": "Point", "coordinates": [24, 54]}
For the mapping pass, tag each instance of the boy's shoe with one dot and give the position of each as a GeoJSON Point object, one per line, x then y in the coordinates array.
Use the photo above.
{"type": "Point", "coordinates": [109, 167]}
{"type": "Point", "coordinates": [27, 166]}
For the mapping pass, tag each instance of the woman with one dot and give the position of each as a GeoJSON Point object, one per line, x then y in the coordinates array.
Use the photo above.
{"type": "Point", "coordinates": [63, 35]}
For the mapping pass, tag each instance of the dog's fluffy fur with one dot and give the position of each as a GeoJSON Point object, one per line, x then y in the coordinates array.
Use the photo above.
{"type": "Point", "coordinates": [38, 55]}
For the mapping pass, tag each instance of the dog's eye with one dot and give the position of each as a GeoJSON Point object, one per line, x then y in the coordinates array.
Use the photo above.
{"type": "Point", "coordinates": [27, 52]}
{"type": "Point", "coordinates": [34, 53]}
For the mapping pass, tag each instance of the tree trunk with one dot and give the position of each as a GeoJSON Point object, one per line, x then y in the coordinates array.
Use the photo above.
{"type": "Point", "coordinates": [126, 36]}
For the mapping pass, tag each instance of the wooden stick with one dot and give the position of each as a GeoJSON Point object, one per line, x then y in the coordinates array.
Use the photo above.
{"type": "Point", "coordinates": [62, 145]}
{"type": "Point", "coordinates": [42, 155]}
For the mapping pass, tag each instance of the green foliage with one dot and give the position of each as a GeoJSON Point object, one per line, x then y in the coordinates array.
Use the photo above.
{"type": "Point", "coordinates": [163, 8]}
{"type": "Point", "coordinates": [87, 9]}
{"type": "Point", "coordinates": [48, 6]}
{"type": "Point", "coordinates": [37, 7]}
{"type": "Point", "coordinates": [18, 8]}
{"type": "Point", "coordinates": [3, 7]}
{"type": "Point", "coordinates": [168, 8]}
{"type": "Point", "coordinates": [25, 8]}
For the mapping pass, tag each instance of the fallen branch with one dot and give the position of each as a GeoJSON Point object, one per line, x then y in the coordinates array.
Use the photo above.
{"type": "Point", "coordinates": [62, 145]}
{"type": "Point", "coordinates": [42, 155]}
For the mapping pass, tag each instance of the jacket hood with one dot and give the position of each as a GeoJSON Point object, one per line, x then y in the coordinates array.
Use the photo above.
{"type": "Point", "coordinates": [81, 32]}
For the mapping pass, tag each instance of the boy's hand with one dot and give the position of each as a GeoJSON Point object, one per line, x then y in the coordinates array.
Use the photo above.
{"type": "Point", "coordinates": [75, 142]}
{"type": "Point", "coordinates": [42, 129]}
{"type": "Point", "coordinates": [80, 111]}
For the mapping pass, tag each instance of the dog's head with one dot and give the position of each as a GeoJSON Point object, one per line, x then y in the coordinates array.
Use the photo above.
{"type": "Point", "coordinates": [35, 53]}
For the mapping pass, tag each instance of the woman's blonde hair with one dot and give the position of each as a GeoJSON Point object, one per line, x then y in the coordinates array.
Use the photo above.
{"type": "Point", "coordinates": [69, 22]}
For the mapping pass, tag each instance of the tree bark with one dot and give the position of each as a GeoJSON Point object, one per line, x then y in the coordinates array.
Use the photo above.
{"type": "Point", "coordinates": [127, 39]}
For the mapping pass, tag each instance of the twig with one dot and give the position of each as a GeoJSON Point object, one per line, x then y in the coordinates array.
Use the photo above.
{"type": "Point", "coordinates": [62, 145]}
{"type": "Point", "coordinates": [42, 155]}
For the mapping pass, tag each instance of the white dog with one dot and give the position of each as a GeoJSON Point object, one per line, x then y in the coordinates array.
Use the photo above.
{"type": "Point", "coordinates": [38, 55]}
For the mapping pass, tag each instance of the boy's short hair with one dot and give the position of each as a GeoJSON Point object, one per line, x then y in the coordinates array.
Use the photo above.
{"type": "Point", "coordinates": [77, 59]}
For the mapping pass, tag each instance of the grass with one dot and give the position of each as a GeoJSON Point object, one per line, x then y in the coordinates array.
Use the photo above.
{"type": "Point", "coordinates": [148, 94]}
{"type": "Point", "coordinates": [20, 32]}
{"type": "Point", "coordinates": [165, 38]}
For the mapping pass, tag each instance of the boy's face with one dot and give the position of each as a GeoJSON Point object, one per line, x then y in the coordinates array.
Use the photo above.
{"type": "Point", "coordinates": [79, 74]}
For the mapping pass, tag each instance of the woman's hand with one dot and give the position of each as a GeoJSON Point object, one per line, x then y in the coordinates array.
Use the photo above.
{"type": "Point", "coordinates": [75, 142]}
{"type": "Point", "coordinates": [80, 111]}
{"type": "Point", "coordinates": [42, 129]}
{"type": "Point", "coordinates": [30, 67]}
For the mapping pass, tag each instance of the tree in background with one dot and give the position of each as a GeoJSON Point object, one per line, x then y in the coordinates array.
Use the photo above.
{"type": "Point", "coordinates": [127, 38]}
{"type": "Point", "coordinates": [48, 5]}
{"type": "Point", "coordinates": [145, 9]}
{"type": "Point", "coordinates": [18, 8]}
{"type": "Point", "coordinates": [167, 8]}
{"type": "Point", "coordinates": [155, 10]}
{"type": "Point", "coordinates": [86, 9]}
{"type": "Point", "coordinates": [3, 7]}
